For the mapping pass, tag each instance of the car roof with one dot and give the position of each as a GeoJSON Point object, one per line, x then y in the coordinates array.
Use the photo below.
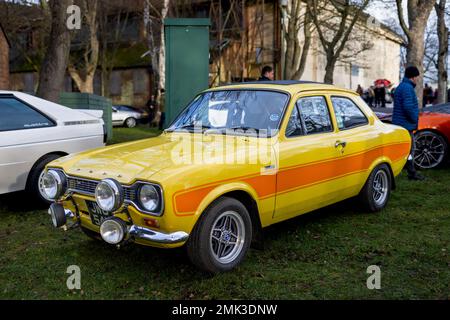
{"type": "Point", "coordinates": [289, 86]}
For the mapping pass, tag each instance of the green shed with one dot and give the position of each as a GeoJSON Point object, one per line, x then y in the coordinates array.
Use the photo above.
{"type": "Point", "coordinates": [187, 62]}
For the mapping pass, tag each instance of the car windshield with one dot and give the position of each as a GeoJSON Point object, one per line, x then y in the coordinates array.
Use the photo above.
{"type": "Point", "coordinates": [234, 110]}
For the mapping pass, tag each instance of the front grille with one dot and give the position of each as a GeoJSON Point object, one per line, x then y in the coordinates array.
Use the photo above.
{"type": "Point", "coordinates": [88, 187]}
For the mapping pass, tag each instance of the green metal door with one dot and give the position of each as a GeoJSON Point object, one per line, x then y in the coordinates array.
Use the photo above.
{"type": "Point", "coordinates": [187, 62]}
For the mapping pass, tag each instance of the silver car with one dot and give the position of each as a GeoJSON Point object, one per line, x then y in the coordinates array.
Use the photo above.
{"type": "Point", "coordinates": [126, 116]}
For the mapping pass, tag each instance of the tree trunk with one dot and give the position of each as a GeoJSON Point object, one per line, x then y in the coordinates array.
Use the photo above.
{"type": "Point", "coordinates": [84, 75]}
{"type": "Point", "coordinates": [329, 70]}
{"type": "Point", "coordinates": [414, 57]}
{"type": "Point", "coordinates": [418, 13]}
{"type": "Point", "coordinates": [443, 34]}
{"type": "Point", "coordinates": [53, 70]}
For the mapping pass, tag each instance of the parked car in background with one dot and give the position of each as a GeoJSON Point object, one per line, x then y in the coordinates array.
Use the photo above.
{"type": "Point", "coordinates": [432, 137]}
{"type": "Point", "coordinates": [34, 132]}
{"type": "Point", "coordinates": [127, 116]}
{"type": "Point", "coordinates": [271, 151]}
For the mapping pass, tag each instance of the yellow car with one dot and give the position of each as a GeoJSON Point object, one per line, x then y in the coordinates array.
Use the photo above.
{"type": "Point", "coordinates": [237, 159]}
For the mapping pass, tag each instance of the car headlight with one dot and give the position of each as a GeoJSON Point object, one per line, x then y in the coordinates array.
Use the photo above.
{"type": "Point", "coordinates": [149, 197]}
{"type": "Point", "coordinates": [109, 195]}
{"type": "Point", "coordinates": [53, 184]}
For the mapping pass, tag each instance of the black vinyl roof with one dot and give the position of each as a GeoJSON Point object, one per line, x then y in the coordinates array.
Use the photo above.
{"type": "Point", "coordinates": [277, 82]}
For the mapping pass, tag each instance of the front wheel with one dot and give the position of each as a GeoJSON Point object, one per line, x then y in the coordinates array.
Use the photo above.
{"type": "Point", "coordinates": [130, 122]}
{"type": "Point", "coordinates": [222, 237]}
{"type": "Point", "coordinates": [375, 195]}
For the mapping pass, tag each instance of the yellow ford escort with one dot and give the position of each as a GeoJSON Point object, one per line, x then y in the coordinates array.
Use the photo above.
{"type": "Point", "coordinates": [237, 159]}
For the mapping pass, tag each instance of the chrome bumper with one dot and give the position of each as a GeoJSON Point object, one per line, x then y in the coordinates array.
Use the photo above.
{"type": "Point", "coordinates": [145, 234]}
{"type": "Point", "coordinates": [156, 236]}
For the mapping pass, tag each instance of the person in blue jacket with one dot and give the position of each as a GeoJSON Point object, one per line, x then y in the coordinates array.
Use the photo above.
{"type": "Point", "coordinates": [406, 113]}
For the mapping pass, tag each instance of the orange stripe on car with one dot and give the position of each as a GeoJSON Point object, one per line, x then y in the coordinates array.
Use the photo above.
{"type": "Point", "coordinates": [289, 179]}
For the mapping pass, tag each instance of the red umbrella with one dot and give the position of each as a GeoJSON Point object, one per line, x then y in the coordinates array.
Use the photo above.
{"type": "Point", "coordinates": [384, 82]}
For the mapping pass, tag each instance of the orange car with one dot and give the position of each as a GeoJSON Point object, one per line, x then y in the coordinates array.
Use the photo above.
{"type": "Point", "coordinates": [432, 137]}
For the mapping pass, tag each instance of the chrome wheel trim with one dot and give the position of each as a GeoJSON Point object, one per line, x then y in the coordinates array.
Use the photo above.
{"type": "Point", "coordinates": [430, 150]}
{"type": "Point", "coordinates": [380, 188]}
{"type": "Point", "coordinates": [41, 186]}
{"type": "Point", "coordinates": [227, 237]}
{"type": "Point", "coordinates": [131, 122]}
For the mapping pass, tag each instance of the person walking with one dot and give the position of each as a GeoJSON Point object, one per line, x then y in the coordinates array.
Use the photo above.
{"type": "Point", "coordinates": [406, 113]}
{"type": "Point", "coordinates": [371, 96]}
{"type": "Point", "coordinates": [267, 74]}
{"type": "Point", "coordinates": [380, 96]}
{"type": "Point", "coordinates": [151, 109]}
{"type": "Point", "coordinates": [360, 90]}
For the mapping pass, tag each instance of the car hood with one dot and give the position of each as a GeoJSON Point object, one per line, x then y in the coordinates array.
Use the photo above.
{"type": "Point", "coordinates": [125, 162]}
{"type": "Point", "coordinates": [141, 160]}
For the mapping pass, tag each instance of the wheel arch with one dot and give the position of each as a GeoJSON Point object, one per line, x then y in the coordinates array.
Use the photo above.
{"type": "Point", "coordinates": [244, 194]}
{"type": "Point", "coordinates": [436, 131]}
{"type": "Point", "coordinates": [36, 163]}
{"type": "Point", "coordinates": [382, 160]}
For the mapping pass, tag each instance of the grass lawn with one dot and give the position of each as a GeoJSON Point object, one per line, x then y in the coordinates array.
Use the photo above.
{"type": "Point", "coordinates": [322, 255]}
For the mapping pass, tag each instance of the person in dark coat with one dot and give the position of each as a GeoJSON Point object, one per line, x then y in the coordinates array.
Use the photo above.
{"type": "Point", "coordinates": [406, 113]}
{"type": "Point", "coordinates": [151, 109]}
{"type": "Point", "coordinates": [380, 96]}
{"type": "Point", "coordinates": [267, 74]}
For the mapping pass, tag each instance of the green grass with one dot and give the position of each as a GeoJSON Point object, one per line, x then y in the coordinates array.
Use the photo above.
{"type": "Point", "coordinates": [322, 255]}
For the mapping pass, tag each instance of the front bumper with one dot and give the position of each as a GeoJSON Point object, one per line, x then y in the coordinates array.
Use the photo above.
{"type": "Point", "coordinates": [136, 233]}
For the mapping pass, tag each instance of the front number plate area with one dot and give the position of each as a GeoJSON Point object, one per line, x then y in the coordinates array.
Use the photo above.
{"type": "Point", "coordinates": [96, 213]}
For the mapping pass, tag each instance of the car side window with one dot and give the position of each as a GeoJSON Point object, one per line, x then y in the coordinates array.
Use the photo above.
{"type": "Point", "coordinates": [294, 127]}
{"type": "Point", "coordinates": [348, 114]}
{"type": "Point", "coordinates": [314, 115]}
{"type": "Point", "coordinates": [16, 115]}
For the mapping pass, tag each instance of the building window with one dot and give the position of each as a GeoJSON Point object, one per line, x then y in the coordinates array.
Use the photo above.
{"type": "Point", "coordinates": [115, 84]}
{"type": "Point", "coordinates": [140, 81]}
{"type": "Point", "coordinates": [355, 70]}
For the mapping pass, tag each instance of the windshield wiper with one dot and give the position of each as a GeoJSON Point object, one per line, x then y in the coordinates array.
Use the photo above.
{"type": "Point", "coordinates": [190, 126]}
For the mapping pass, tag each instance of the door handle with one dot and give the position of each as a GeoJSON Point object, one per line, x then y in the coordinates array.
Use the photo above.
{"type": "Point", "coordinates": [342, 144]}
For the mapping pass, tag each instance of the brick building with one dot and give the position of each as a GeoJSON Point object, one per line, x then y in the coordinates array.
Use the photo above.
{"type": "Point", "coordinates": [4, 60]}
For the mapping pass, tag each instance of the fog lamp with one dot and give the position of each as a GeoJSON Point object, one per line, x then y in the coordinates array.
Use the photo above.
{"type": "Point", "coordinates": [113, 230]}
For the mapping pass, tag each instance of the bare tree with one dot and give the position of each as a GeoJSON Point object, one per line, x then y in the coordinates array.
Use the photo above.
{"type": "Point", "coordinates": [110, 42]}
{"type": "Point", "coordinates": [154, 22]}
{"type": "Point", "coordinates": [334, 22]}
{"type": "Point", "coordinates": [83, 70]}
{"type": "Point", "coordinates": [418, 13]}
{"type": "Point", "coordinates": [53, 70]}
{"type": "Point", "coordinates": [443, 34]}
{"type": "Point", "coordinates": [296, 18]}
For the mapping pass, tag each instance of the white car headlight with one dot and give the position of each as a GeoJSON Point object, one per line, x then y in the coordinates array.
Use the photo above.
{"type": "Point", "coordinates": [53, 184]}
{"type": "Point", "coordinates": [109, 195]}
{"type": "Point", "coordinates": [149, 197]}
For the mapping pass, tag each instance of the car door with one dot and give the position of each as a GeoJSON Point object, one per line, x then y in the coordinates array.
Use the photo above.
{"type": "Point", "coordinates": [358, 143]}
{"type": "Point", "coordinates": [307, 155]}
{"type": "Point", "coordinates": [21, 129]}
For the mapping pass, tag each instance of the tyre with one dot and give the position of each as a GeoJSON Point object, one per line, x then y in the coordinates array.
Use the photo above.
{"type": "Point", "coordinates": [91, 234]}
{"type": "Point", "coordinates": [222, 236]}
{"type": "Point", "coordinates": [431, 149]}
{"type": "Point", "coordinates": [33, 188]}
{"type": "Point", "coordinates": [130, 123]}
{"type": "Point", "coordinates": [375, 194]}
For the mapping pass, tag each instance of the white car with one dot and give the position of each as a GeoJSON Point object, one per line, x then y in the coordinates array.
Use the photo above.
{"type": "Point", "coordinates": [34, 132]}
{"type": "Point", "coordinates": [125, 116]}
